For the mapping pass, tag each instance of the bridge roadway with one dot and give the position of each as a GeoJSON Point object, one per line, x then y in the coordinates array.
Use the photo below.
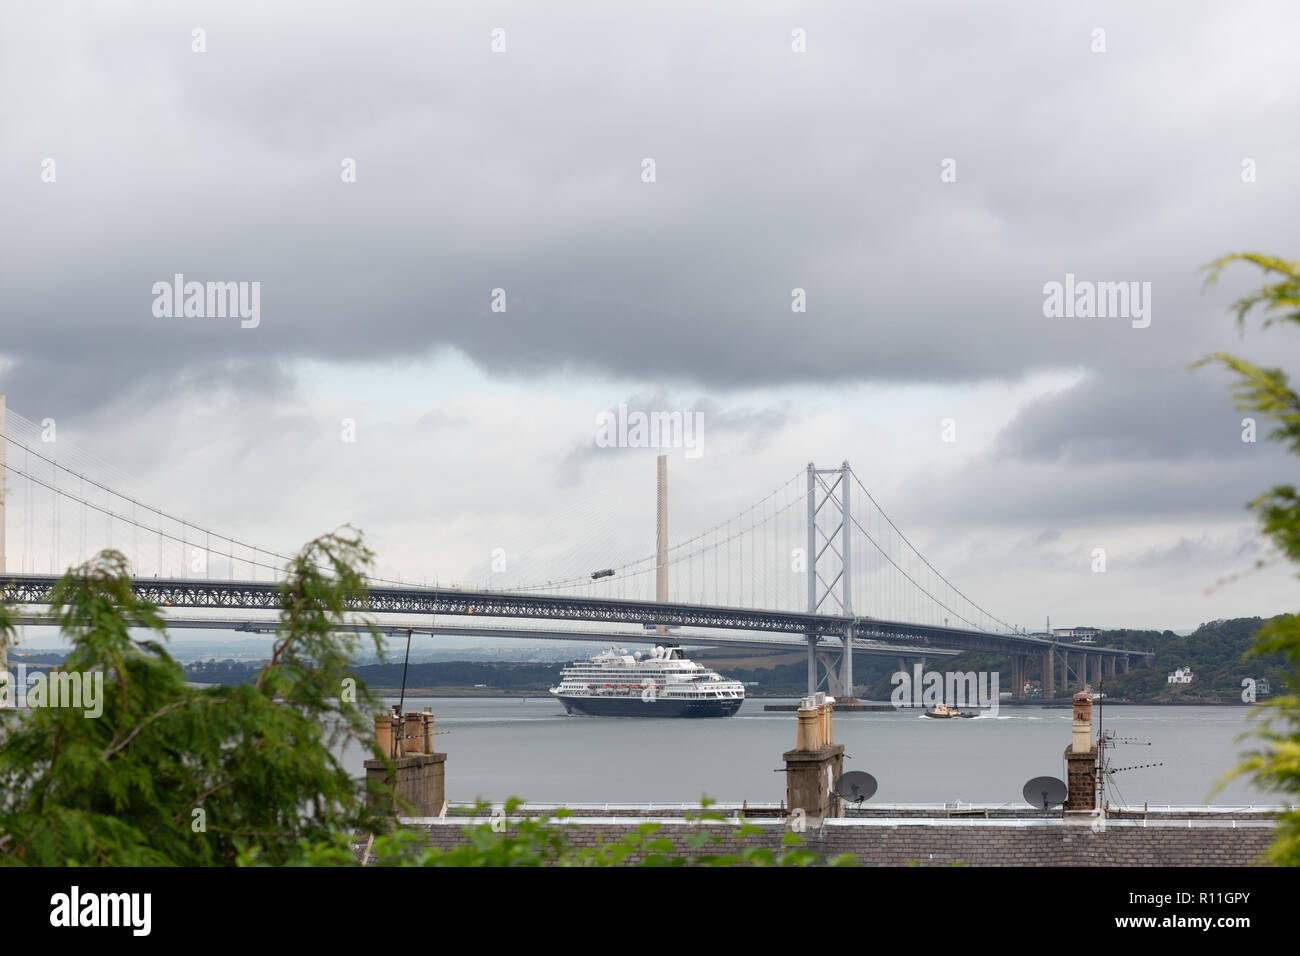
{"type": "Point", "coordinates": [643, 636]}
{"type": "Point", "coordinates": [34, 589]}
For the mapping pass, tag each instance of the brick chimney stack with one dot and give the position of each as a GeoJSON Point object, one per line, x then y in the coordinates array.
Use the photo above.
{"type": "Point", "coordinates": [1081, 758]}
{"type": "Point", "coordinates": [418, 779]}
{"type": "Point", "coordinates": [816, 762]}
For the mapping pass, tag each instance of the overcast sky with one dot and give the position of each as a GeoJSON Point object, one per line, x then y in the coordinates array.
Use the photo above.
{"type": "Point", "coordinates": [775, 169]}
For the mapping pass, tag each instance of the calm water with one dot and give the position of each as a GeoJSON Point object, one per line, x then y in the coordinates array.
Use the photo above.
{"type": "Point", "coordinates": [532, 749]}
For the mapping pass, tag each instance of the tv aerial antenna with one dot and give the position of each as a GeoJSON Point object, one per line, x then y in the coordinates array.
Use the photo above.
{"type": "Point", "coordinates": [1106, 741]}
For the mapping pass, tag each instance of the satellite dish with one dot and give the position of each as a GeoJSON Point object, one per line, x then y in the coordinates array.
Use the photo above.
{"type": "Point", "coordinates": [856, 786]}
{"type": "Point", "coordinates": [1045, 792]}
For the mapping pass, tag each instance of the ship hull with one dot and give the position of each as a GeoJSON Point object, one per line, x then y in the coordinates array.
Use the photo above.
{"type": "Point", "coordinates": [636, 707]}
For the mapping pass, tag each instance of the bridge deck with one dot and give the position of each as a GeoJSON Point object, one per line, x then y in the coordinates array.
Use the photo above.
{"type": "Point", "coordinates": [34, 589]}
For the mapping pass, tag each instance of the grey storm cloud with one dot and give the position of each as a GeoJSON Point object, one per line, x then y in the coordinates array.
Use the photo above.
{"type": "Point", "coordinates": [522, 171]}
{"type": "Point", "coordinates": [1240, 552]}
{"type": "Point", "coordinates": [709, 420]}
{"type": "Point", "coordinates": [1114, 417]}
{"type": "Point", "coordinates": [775, 171]}
{"type": "Point", "coordinates": [992, 494]}
{"type": "Point", "coordinates": [1115, 447]}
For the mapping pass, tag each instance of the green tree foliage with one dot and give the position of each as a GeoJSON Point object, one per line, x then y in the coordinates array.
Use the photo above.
{"type": "Point", "coordinates": [1218, 652]}
{"type": "Point", "coordinates": [173, 775]}
{"type": "Point", "coordinates": [1275, 764]}
{"type": "Point", "coordinates": [249, 774]}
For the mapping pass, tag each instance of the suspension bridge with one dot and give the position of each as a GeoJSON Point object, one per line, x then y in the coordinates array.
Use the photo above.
{"type": "Point", "coordinates": [797, 569]}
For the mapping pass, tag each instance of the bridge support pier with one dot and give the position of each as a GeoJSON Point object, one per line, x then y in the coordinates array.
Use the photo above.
{"type": "Point", "coordinates": [1049, 674]}
{"type": "Point", "coordinates": [834, 685]}
{"type": "Point", "coordinates": [812, 664]}
{"type": "Point", "coordinates": [846, 665]}
{"type": "Point", "coordinates": [839, 674]}
{"type": "Point", "coordinates": [1123, 664]}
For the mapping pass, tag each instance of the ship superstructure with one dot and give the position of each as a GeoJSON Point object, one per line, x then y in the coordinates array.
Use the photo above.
{"type": "Point", "coordinates": [662, 683]}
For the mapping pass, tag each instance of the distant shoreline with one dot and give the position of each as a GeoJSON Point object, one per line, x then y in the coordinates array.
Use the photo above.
{"type": "Point", "coordinates": [461, 693]}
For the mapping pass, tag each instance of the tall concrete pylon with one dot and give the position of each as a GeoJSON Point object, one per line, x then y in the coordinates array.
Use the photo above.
{"type": "Point", "coordinates": [661, 537]}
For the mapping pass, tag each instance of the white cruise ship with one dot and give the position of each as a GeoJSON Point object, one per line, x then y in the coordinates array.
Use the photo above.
{"type": "Point", "coordinates": [662, 683]}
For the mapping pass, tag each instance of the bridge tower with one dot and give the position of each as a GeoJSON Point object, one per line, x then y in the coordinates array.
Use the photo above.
{"type": "Point", "coordinates": [829, 561]}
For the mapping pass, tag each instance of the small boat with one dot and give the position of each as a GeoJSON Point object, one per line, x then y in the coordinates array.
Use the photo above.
{"type": "Point", "coordinates": [943, 712]}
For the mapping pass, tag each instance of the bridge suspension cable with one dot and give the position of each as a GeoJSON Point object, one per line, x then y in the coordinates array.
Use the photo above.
{"type": "Point", "coordinates": [678, 553]}
{"type": "Point", "coordinates": [275, 561]}
{"type": "Point", "coordinates": [751, 559]}
{"type": "Point", "coordinates": [875, 504]}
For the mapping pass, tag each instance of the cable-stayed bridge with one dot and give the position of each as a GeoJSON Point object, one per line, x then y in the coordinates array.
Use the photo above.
{"type": "Point", "coordinates": [816, 563]}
